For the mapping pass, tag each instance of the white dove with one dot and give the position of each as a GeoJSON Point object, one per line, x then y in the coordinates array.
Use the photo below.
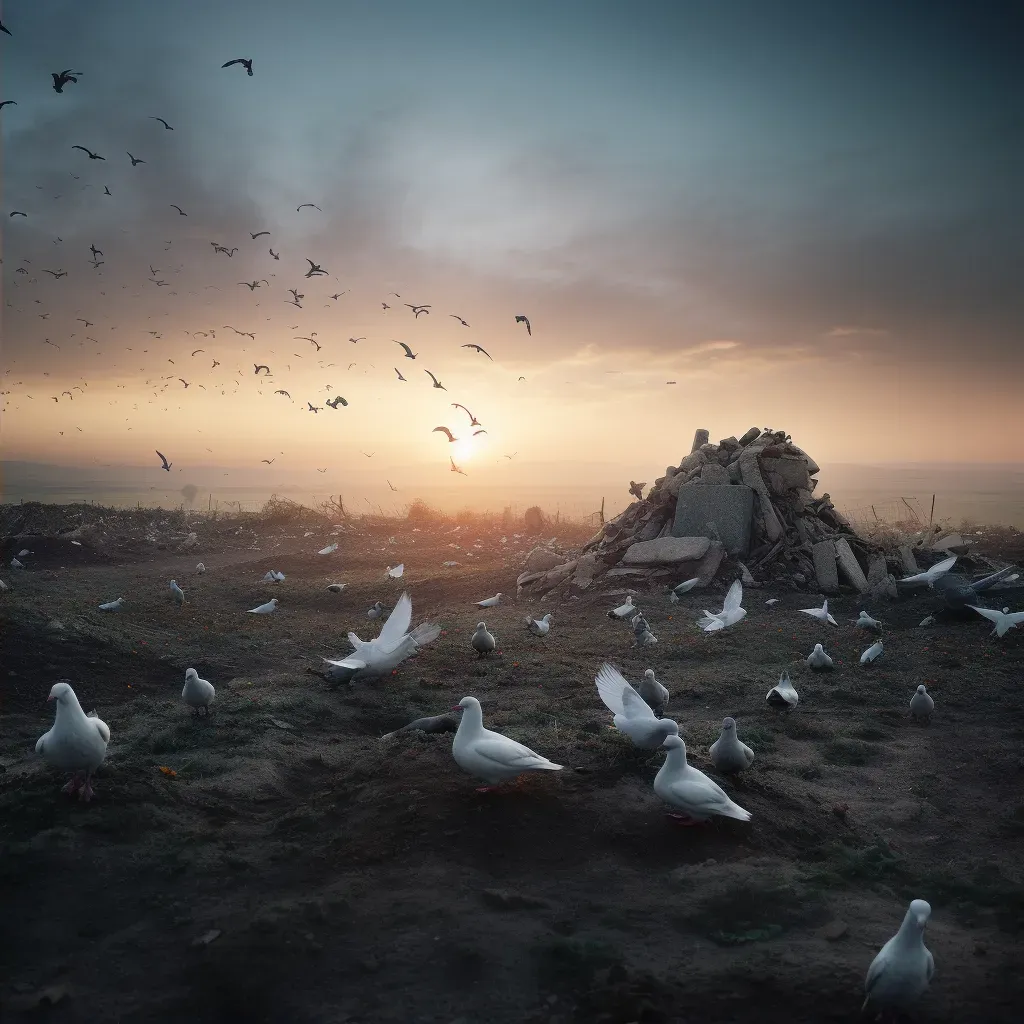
{"type": "Point", "coordinates": [731, 612]}
{"type": "Point", "coordinates": [929, 576]}
{"type": "Point", "coordinates": [632, 714]}
{"type": "Point", "coordinates": [179, 594]}
{"type": "Point", "coordinates": [901, 972]}
{"type": "Point", "coordinates": [336, 588]}
{"type": "Point", "coordinates": [377, 611]}
{"type": "Point", "coordinates": [372, 658]}
{"type": "Point", "coordinates": [112, 606]}
{"type": "Point", "coordinates": [921, 704]}
{"type": "Point", "coordinates": [928, 620]}
{"type": "Point", "coordinates": [539, 627]}
{"type": "Point", "coordinates": [683, 786]}
{"type": "Point", "coordinates": [329, 550]}
{"type": "Point", "coordinates": [265, 609]}
{"type": "Point", "coordinates": [682, 588]}
{"type": "Point", "coordinates": [1004, 620]}
{"type": "Point", "coordinates": [3, 586]}
{"type": "Point", "coordinates": [200, 569]}
{"type": "Point", "coordinates": [653, 692]}
{"type": "Point", "coordinates": [274, 576]}
{"type": "Point", "coordinates": [873, 652]}
{"type": "Point", "coordinates": [728, 754]}
{"type": "Point", "coordinates": [818, 659]}
{"type": "Point", "coordinates": [783, 695]}
{"type": "Point", "coordinates": [624, 611]}
{"type": "Point", "coordinates": [397, 571]}
{"type": "Point", "coordinates": [821, 614]}
{"type": "Point", "coordinates": [198, 693]}
{"type": "Point", "coordinates": [15, 564]}
{"type": "Point", "coordinates": [482, 642]}
{"type": "Point", "coordinates": [76, 743]}
{"type": "Point", "coordinates": [491, 602]}
{"type": "Point", "coordinates": [489, 755]}
{"type": "Point", "coordinates": [771, 601]}
{"type": "Point", "coordinates": [864, 621]}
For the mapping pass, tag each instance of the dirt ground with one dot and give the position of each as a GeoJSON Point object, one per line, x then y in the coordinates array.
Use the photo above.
{"type": "Point", "coordinates": [298, 869]}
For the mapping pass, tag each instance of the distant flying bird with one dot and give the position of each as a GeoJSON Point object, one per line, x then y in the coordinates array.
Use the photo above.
{"type": "Point", "coordinates": [315, 207]}
{"type": "Point", "coordinates": [391, 485]}
{"type": "Point", "coordinates": [409, 354]}
{"type": "Point", "coordinates": [478, 432]}
{"type": "Point", "coordinates": [17, 213]}
{"type": "Point", "coordinates": [355, 341]}
{"type": "Point", "coordinates": [459, 318]}
{"type": "Point", "coordinates": [198, 350]}
{"type": "Point", "coordinates": [261, 366]}
{"type": "Point", "coordinates": [324, 470]}
{"type": "Point", "coordinates": [56, 273]}
{"type": "Point", "coordinates": [418, 309]}
{"type": "Point", "coordinates": [473, 421]}
{"type": "Point", "coordinates": [314, 268]}
{"type": "Point", "coordinates": [282, 393]}
{"type": "Point", "coordinates": [257, 235]}
{"type": "Point", "coordinates": [106, 191]}
{"type": "Point", "coordinates": [637, 490]}
{"type": "Point", "coordinates": [447, 433]}
{"type": "Point", "coordinates": [86, 322]}
{"type": "Point", "coordinates": [179, 209]}
{"type": "Point", "coordinates": [455, 469]}
{"type": "Point", "coordinates": [338, 295]}
{"type": "Point", "coordinates": [162, 121]}
{"type": "Point", "coordinates": [477, 348]}
{"type": "Point", "coordinates": [370, 456]}
{"type": "Point", "coordinates": [525, 320]}
{"type": "Point", "coordinates": [134, 159]}
{"type": "Point", "coordinates": [437, 383]}
{"type": "Point", "coordinates": [91, 154]}
{"type": "Point", "coordinates": [295, 295]}
{"type": "Point", "coordinates": [8, 103]}
{"type": "Point", "coordinates": [512, 456]}
{"type": "Point", "coordinates": [276, 255]}
{"type": "Point", "coordinates": [314, 408]}
{"type": "Point", "coordinates": [166, 465]}
{"type": "Point", "coordinates": [4, 28]}
{"type": "Point", "coordinates": [400, 377]}
{"type": "Point", "coordinates": [336, 401]}
{"type": "Point", "coordinates": [269, 462]}
{"type": "Point", "coordinates": [386, 306]}
{"type": "Point", "coordinates": [240, 60]}
{"type": "Point", "coordinates": [183, 381]}
{"type": "Point", "coordinates": [62, 79]}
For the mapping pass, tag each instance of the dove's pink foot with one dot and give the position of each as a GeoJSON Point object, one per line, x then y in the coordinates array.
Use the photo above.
{"type": "Point", "coordinates": [74, 783]}
{"type": "Point", "coordinates": [684, 819]}
{"type": "Point", "coordinates": [86, 793]}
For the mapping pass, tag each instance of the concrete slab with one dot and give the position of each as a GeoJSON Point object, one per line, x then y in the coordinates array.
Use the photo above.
{"type": "Point", "coordinates": [730, 507]}
{"type": "Point", "coordinates": [826, 571]}
{"type": "Point", "coordinates": [666, 551]}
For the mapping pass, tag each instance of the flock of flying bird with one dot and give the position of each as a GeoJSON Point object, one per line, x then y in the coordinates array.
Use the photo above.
{"type": "Point", "coordinates": [262, 370]}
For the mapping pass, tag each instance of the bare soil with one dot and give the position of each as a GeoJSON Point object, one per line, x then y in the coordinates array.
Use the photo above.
{"type": "Point", "coordinates": [297, 869]}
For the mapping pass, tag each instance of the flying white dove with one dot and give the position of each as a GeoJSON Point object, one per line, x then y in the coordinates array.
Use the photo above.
{"type": "Point", "coordinates": [539, 627]}
{"type": "Point", "coordinates": [632, 715]}
{"type": "Point", "coordinates": [873, 652]}
{"type": "Point", "coordinates": [1004, 620]}
{"type": "Point", "coordinates": [683, 786]}
{"type": "Point", "coordinates": [397, 571]}
{"type": "Point", "coordinates": [491, 602]}
{"type": "Point", "coordinates": [782, 696]}
{"type": "Point", "coordinates": [818, 659]}
{"type": "Point", "coordinates": [864, 621]}
{"type": "Point", "coordinates": [901, 972]}
{"type": "Point", "coordinates": [728, 754]}
{"type": "Point", "coordinates": [624, 611]}
{"type": "Point", "coordinates": [198, 693]}
{"type": "Point", "coordinates": [76, 743]}
{"type": "Point", "coordinates": [921, 704]}
{"type": "Point", "coordinates": [329, 550]}
{"type": "Point", "coordinates": [731, 612]}
{"type": "Point", "coordinates": [482, 642]}
{"type": "Point", "coordinates": [653, 693]}
{"type": "Point", "coordinates": [265, 609]}
{"type": "Point", "coordinates": [683, 588]}
{"type": "Point", "coordinates": [179, 594]}
{"type": "Point", "coordinates": [379, 657]}
{"type": "Point", "coordinates": [821, 614]}
{"type": "Point", "coordinates": [929, 576]}
{"type": "Point", "coordinates": [489, 755]}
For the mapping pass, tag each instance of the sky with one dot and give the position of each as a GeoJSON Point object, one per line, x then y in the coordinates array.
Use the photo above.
{"type": "Point", "coordinates": [807, 216]}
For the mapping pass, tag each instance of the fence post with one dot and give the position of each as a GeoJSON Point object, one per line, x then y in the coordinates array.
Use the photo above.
{"type": "Point", "coordinates": [931, 515]}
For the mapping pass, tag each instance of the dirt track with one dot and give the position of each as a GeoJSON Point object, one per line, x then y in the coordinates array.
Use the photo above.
{"type": "Point", "coordinates": [354, 880]}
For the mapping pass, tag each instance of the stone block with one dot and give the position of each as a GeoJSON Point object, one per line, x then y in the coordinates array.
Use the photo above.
{"type": "Point", "coordinates": [706, 569]}
{"type": "Point", "coordinates": [666, 551]}
{"type": "Point", "coordinates": [652, 528]}
{"type": "Point", "coordinates": [729, 506]}
{"type": "Point", "coordinates": [850, 566]}
{"type": "Point", "coordinates": [692, 461]}
{"type": "Point", "coordinates": [825, 569]}
{"type": "Point", "coordinates": [751, 475]}
{"type": "Point", "coordinates": [714, 474]}
{"type": "Point", "coordinates": [699, 438]}
{"type": "Point", "coordinates": [751, 435]}
{"type": "Point", "coordinates": [908, 560]}
{"type": "Point", "coordinates": [792, 473]}
{"type": "Point", "coordinates": [542, 559]}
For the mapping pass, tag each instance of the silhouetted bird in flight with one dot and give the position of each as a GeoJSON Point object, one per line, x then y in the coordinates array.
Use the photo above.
{"type": "Point", "coordinates": [240, 60]}
{"type": "Point", "coordinates": [314, 268]}
{"type": "Point", "coordinates": [477, 348]}
{"type": "Point", "coordinates": [62, 79]}
{"type": "Point", "coordinates": [437, 383]}
{"type": "Point", "coordinates": [447, 433]}
{"type": "Point", "coordinates": [473, 421]}
{"type": "Point", "coordinates": [459, 318]}
{"type": "Point", "coordinates": [92, 155]}
{"type": "Point", "coordinates": [162, 121]}
{"type": "Point", "coordinates": [179, 209]}
{"type": "Point", "coordinates": [134, 159]}
{"type": "Point", "coordinates": [408, 351]}
{"type": "Point", "coordinates": [257, 235]}
{"type": "Point", "coordinates": [315, 207]}
{"type": "Point", "coordinates": [166, 465]}
{"type": "Point", "coordinates": [261, 366]}
{"type": "Point", "coordinates": [525, 320]}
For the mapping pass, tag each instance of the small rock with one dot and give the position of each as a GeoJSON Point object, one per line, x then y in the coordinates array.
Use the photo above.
{"type": "Point", "coordinates": [207, 937]}
{"type": "Point", "coordinates": [505, 899]}
{"type": "Point", "coordinates": [835, 930]}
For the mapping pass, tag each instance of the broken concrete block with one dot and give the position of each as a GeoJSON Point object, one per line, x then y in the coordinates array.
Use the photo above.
{"type": "Point", "coordinates": [825, 570]}
{"type": "Point", "coordinates": [652, 528]}
{"type": "Point", "coordinates": [751, 476]}
{"type": "Point", "coordinates": [713, 474]}
{"type": "Point", "coordinates": [877, 569]}
{"type": "Point", "coordinates": [707, 568]}
{"type": "Point", "coordinates": [542, 559]}
{"type": "Point", "coordinates": [792, 473]}
{"type": "Point", "coordinates": [908, 560]}
{"type": "Point", "coordinates": [666, 551]}
{"type": "Point", "coordinates": [751, 435]}
{"type": "Point", "coordinates": [812, 466]}
{"type": "Point", "coordinates": [586, 569]}
{"type": "Point", "coordinates": [735, 476]}
{"type": "Point", "coordinates": [729, 506]}
{"type": "Point", "coordinates": [699, 438]}
{"type": "Point", "coordinates": [850, 566]}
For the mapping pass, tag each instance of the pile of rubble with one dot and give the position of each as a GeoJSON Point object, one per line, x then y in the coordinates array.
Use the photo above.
{"type": "Point", "coordinates": [750, 499]}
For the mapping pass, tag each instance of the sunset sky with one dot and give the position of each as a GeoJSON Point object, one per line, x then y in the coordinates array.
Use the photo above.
{"type": "Point", "coordinates": [808, 215]}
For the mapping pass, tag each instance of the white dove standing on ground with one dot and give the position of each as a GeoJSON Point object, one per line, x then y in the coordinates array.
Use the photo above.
{"type": "Point", "coordinates": [818, 659]}
{"type": "Point", "coordinates": [731, 613]}
{"type": "Point", "coordinates": [901, 972]}
{"type": "Point", "coordinates": [3, 586]}
{"type": "Point", "coordinates": [396, 572]}
{"type": "Point", "coordinates": [76, 743]}
{"type": "Point", "coordinates": [864, 621]}
{"type": "Point", "coordinates": [681, 785]}
{"type": "Point", "coordinates": [928, 620]}
{"type": "Point", "coordinates": [336, 588]}
{"type": "Point", "coordinates": [489, 755]}
{"type": "Point", "coordinates": [771, 601]}
{"type": "Point", "coordinates": [377, 611]}
{"type": "Point", "coordinates": [198, 693]}
{"type": "Point", "coordinates": [24, 553]}
{"type": "Point", "coordinates": [783, 696]}
{"type": "Point", "coordinates": [396, 642]}
{"type": "Point", "coordinates": [1004, 620]}
{"type": "Point", "coordinates": [653, 693]}
{"type": "Point", "coordinates": [179, 594]}
{"type": "Point", "coordinates": [624, 611]}
{"type": "Point", "coordinates": [274, 577]}
{"type": "Point", "coordinates": [112, 606]}
{"type": "Point", "coordinates": [200, 569]}
{"type": "Point", "coordinates": [921, 704]}
{"type": "Point", "coordinates": [728, 754]}
{"type": "Point", "coordinates": [264, 609]}
{"type": "Point", "coordinates": [539, 627]}
{"type": "Point", "coordinates": [929, 576]}
{"type": "Point", "coordinates": [873, 652]}
{"type": "Point", "coordinates": [15, 564]}
{"type": "Point", "coordinates": [491, 602]}
{"type": "Point", "coordinates": [483, 643]}
{"type": "Point", "coordinates": [329, 550]}
{"type": "Point", "coordinates": [821, 614]}
{"type": "Point", "coordinates": [631, 713]}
